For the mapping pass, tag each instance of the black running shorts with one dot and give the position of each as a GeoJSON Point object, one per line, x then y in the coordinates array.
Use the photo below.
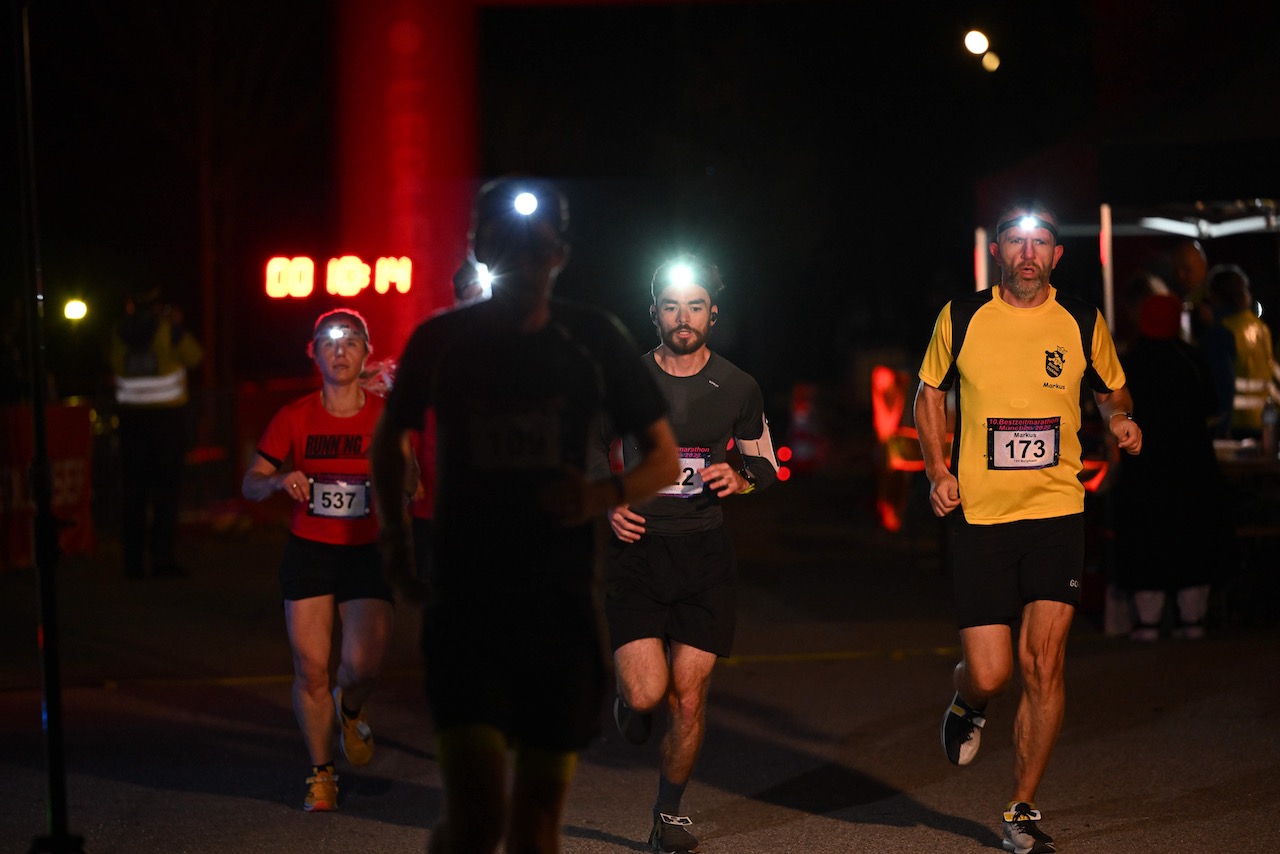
{"type": "Point", "coordinates": [321, 569]}
{"type": "Point", "coordinates": [675, 587]}
{"type": "Point", "coordinates": [997, 569]}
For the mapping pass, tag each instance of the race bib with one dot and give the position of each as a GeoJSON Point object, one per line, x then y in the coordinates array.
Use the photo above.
{"type": "Point", "coordinates": [1022, 443]}
{"type": "Point", "coordinates": [339, 496]}
{"type": "Point", "coordinates": [689, 484]}
{"type": "Point", "coordinates": [524, 440]}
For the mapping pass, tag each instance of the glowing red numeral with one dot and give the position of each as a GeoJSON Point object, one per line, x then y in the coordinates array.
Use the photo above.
{"type": "Point", "coordinates": [347, 276]}
{"type": "Point", "coordinates": [389, 271]}
{"type": "Point", "coordinates": [290, 277]}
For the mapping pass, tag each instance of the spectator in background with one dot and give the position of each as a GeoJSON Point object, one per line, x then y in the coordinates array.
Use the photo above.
{"type": "Point", "coordinates": [1255, 362]}
{"type": "Point", "coordinates": [1164, 546]}
{"type": "Point", "coordinates": [151, 353]}
{"type": "Point", "coordinates": [1187, 279]}
{"type": "Point", "coordinates": [1131, 297]}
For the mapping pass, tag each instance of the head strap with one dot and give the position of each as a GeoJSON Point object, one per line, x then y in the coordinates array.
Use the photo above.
{"type": "Point", "coordinates": [1027, 221]}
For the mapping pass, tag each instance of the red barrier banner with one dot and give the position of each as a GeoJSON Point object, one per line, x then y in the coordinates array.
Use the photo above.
{"type": "Point", "coordinates": [69, 447]}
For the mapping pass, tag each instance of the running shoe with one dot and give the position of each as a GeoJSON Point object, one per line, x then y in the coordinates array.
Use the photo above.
{"type": "Point", "coordinates": [962, 731]}
{"type": "Point", "coordinates": [671, 835]}
{"type": "Point", "coordinates": [322, 792]}
{"type": "Point", "coordinates": [1022, 833]}
{"type": "Point", "coordinates": [634, 726]}
{"type": "Point", "coordinates": [356, 737]}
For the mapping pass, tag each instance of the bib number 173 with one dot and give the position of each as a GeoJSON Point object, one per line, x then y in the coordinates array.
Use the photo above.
{"type": "Point", "coordinates": [1023, 443]}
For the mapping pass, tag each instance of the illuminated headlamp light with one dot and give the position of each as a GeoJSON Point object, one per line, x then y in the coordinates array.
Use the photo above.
{"type": "Point", "coordinates": [680, 275]}
{"type": "Point", "coordinates": [337, 332]}
{"type": "Point", "coordinates": [525, 203]}
{"type": "Point", "coordinates": [1027, 221]}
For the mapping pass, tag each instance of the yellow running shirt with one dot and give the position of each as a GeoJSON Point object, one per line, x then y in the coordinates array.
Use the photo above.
{"type": "Point", "coordinates": [1017, 436]}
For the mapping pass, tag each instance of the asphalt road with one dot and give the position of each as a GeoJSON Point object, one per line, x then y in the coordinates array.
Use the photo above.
{"type": "Point", "coordinates": [823, 736]}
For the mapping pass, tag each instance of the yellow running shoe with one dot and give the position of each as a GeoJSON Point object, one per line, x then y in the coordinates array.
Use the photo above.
{"type": "Point", "coordinates": [356, 738]}
{"type": "Point", "coordinates": [322, 794]}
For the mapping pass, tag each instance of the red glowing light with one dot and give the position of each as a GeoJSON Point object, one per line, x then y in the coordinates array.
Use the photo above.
{"type": "Point", "coordinates": [345, 276]}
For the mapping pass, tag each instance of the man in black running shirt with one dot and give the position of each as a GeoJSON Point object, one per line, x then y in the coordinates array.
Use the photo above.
{"type": "Point", "coordinates": [513, 638]}
{"type": "Point", "coordinates": [671, 573]}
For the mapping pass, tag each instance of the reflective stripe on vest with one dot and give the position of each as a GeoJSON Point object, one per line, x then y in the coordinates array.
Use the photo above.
{"type": "Point", "coordinates": [1250, 393]}
{"type": "Point", "coordinates": [166, 388]}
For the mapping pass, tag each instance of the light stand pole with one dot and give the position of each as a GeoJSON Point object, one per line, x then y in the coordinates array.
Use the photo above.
{"type": "Point", "coordinates": [45, 526]}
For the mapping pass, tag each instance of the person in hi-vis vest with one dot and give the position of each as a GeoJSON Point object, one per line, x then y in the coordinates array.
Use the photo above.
{"type": "Point", "coordinates": [151, 352]}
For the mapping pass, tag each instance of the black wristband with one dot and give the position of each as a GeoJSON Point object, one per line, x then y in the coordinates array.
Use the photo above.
{"type": "Point", "coordinates": [619, 488]}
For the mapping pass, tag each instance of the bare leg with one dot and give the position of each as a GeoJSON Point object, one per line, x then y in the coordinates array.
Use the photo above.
{"type": "Point", "coordinates": [542, 781]}
{"type": "Point", "coordinates": [366, 631]}
{"type": "Point", "coordinates": [687, 704]}
{"type": "Point", "coordinates": [642, 673]}
{"type": "Point", "coordinates": [473, 765]}
{"type": "Point", "coordinates": [310, 626]}
{"type": "Point", "coordinates": [1042, 646]}
{"type": "Point", "coordinates": [986, 665]}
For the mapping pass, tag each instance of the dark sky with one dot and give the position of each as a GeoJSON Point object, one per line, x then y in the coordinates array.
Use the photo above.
{"type": "Point", "coordinates": [823, 154]}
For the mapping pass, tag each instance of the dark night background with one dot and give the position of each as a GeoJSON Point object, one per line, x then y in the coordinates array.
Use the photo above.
{"type": "Point", "coordinates": [832, 158]}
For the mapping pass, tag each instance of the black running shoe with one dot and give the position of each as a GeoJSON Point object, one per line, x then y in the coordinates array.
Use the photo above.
{"type": "Point", "coordinates": [634, 726]}
{"type": "Point", "coordinates": [1022, 833]}
{"type": "Point", "coordinates": [671, 835]}
{"type": "Point", "coordinates": [962, 732]}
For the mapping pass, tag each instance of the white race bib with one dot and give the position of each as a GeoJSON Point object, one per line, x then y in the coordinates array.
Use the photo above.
{"type": "Point", "coordinates": [1023, 443]}
{"type": "Point", "coordinates": [339, 496]}
{"type": "Point", "coordinates": [689, 484]}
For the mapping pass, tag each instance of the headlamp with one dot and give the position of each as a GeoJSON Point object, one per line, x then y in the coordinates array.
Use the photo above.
{"type": "Point", "coordinates": [1027, 221]}
{"type": "Point", "coordinates": [680, 274]}
{"type": "Point", "coordinates": [336, 332]}
{"type": "Point", "coordinates": [525, 203]}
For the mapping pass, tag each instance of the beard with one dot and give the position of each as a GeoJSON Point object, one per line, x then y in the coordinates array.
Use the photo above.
{"type": "Point", "coordinates": [1024, 289]}
{"type": "Point", "coordinates": [684, 346]}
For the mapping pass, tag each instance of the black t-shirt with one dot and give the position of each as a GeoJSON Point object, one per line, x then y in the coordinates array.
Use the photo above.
{"type": "Point", "coordinates": [718, 404]}
{"type": "Point", "coordinates": [512, 411]}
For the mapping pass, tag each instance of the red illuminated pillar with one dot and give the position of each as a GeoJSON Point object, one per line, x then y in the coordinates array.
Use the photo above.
{"type": "Point", "coordinates": [407, 149]}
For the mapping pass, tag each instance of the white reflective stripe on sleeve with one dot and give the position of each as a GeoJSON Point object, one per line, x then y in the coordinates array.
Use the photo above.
{"type": "Point", "coordinates": [166, 388]}
{"type": "Point", "coordinates": [762, 447]}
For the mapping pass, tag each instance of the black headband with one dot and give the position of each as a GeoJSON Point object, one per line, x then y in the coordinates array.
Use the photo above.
{"type": "Point", "coordinates": [1036, 222]}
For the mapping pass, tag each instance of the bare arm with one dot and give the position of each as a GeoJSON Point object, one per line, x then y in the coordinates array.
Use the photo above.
{"type": "Point", "coordinates": [391, 463]}
{"type": "Point", "coordinates": [931, 426]}
{"type": "Point", "coordinates": [1114, 408]}
{"type": "Point", "coordinates": [263, 478]}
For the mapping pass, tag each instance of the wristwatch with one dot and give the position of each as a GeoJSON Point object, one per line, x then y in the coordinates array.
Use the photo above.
{"type": "Point", "coordinates": [750, 479]}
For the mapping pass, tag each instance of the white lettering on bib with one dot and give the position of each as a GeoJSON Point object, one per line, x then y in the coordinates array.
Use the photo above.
{"type": "Point", "coordinates": [1023, 443]}
{"type": "Point", "coordinates": [339, 496]}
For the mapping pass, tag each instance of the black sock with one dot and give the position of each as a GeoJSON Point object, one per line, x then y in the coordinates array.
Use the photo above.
{"type": "Point", "coordinates": [316, 769]}
{"type": "Point", "coordinates": [669, 795]}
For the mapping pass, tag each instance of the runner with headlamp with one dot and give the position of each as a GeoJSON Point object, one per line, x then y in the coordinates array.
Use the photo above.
{"type": "Point", "coordinates": [671, 576]}
{"type": "Point", "coordinates": [315, 450]}
{"type": "Point", "coordinates": [513, 638]}
{"type": "Point", "coordinates": [1011, 490]}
